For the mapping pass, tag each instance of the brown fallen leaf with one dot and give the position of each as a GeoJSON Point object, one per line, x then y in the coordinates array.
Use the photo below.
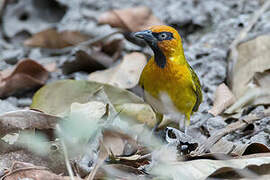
{"type": "Point", "coordinates": [21, 170]}
{"type": "Point", "coordinates": [113, 48]}
{"type": "Point", "coordinates": [86, 60]}
{"type": "Point", "coordinates": [26, 119]}
{"type": "Point", "coordinates": [237, 149]}
{"type": "Point", "coordinates": [52, 39]}
{"type": "Point", "coordinates": [7, 159]}
{"type": "Point", "coordinates": [130, 19]}
{"type": "Point", "coordinates": [27, 74]}
{"type": "Point", "coordinates": [254, 148]}
{"type": "Point", "coordinates": [252, 59]}
{"type": "Point", "coordinates": [118, 143]}
{"type": "Point", "coordinates": [223, 99]}
{"type": "Point", "coordinates": [113, 144]}
{"type": "Point", "coordinates": [125, 75]}
{"type": "Point", "coordinates": [118, 171]}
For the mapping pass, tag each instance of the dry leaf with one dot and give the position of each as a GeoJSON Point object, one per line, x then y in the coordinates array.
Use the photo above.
{"type": "Point", "coordinates": [112, 144]}
{"type": "Point", "coordinates": [22, 170]}
{"type": "Point", "coordinates": [53, 100]}
{"type": "Point", "coordinates": [113, 48]}
{"type": "Point", "coordinates": [27, 74]}
{"type": "Point", "coordinates": [253, 59]}
{"type": "Point", "coordinates": [142, 113]}
{"type": "Point", "coordinates": [93, 110]}
{"type": "Point", "coordinates": [253, 148]}
{"type": "Point", "coordinates": [26, 119]}
{"type": "Point", "coordinates": [237, 149]}
{"type": "Point", "coordinates": [125, 75]}
{"type": "Point", "coordinates": [53, 39]}
{"type": "Point", "coordinates": [130, 19]}
{"type": "Point", "coordinates": [86, 60]}
{"type": "Point", "coordinates": [203, 168]}
{"type": "Point", "coordinates": [115, 142]}
{"type": "Point", "coordinates": [118, 171]}
{"type": "Point", "coordinates": [223, 99]}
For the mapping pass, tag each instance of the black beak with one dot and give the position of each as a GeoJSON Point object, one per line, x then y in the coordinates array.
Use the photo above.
{"type": "Point", "coordinates": [145, 35]}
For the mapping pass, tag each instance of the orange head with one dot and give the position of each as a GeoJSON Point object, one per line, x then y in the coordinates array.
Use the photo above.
{"type": "Point", "coordinates": [164, 41]}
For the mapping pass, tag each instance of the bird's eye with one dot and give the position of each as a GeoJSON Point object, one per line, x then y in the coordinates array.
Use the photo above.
{"type": "Point", "coordinates": [163, 36]}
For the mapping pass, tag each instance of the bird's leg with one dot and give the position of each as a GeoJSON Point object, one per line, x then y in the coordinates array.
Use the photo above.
{"type": "Point", "coordinates": [182, 124]}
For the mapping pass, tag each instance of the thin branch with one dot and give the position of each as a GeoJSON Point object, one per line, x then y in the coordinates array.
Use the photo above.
{"type": "Point", "coordinates": [103, 154]}
{"type": "Point", "coordinates": [68, 166]}
{"type": "Point", "coordinates": [84, 43]}
{"type": "Point", "coordinates": [12, 169]}
{"type": "Point", "coordinates": [242, 123]}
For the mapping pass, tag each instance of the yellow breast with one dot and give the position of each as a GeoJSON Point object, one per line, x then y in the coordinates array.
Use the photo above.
{"type": "Point", "coordinates": [175, 80]}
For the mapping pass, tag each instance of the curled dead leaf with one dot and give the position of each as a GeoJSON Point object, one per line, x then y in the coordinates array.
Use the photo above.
{"type": "Point", "coordinates": [130, 19]}
{"type": "Point", "coordinates": [52, 39]}
{"type": "Point", "coordinates": [223, 99]}
{"type": "Point", "coordinates": [237, 149]}
{"type": "Point", "coordinates": [26, 119]}
{"type": "Point", "coordinates": [27, 74]}
{"type": "Point", "coordinates": [124, 75]}
{"type": "Point", "coordinates": [252, 60]}
{"type": "Point", "coordinates": [86, 60]}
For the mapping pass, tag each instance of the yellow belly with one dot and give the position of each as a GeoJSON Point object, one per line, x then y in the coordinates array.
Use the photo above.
{"type": "Point", "coordinates": [175, 80]}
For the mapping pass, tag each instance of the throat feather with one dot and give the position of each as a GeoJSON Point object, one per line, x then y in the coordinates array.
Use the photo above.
{"type": "Point", "coordinates": [159, 57]}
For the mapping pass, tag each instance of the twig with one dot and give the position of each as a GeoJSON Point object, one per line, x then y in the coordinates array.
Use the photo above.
{"type": "Point", "coordinates": [84, 43]}
{"type": "Point", "coordinates": [249, 95]}
{"type": "Point", "coordinates": [255, 17]}
{"type": "Point", "coordinates": [122, 21]}
{"type": "Point", "coordinates": [68, 166]}
{"type": "Point", "coordinates": [13, 170]}
{"type": "Point", "coordinates": [229, 129]}
{"type": "Point", "coordinates": [103, 154]}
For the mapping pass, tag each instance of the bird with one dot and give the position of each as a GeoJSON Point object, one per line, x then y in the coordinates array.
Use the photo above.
{"type": "Point", "coordinates": [168, 73]}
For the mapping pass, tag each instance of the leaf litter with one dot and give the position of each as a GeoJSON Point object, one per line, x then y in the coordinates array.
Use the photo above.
{"type": "Point", "coordinates": [94, 130]}
{"type": "Point", "coordinates": [28, 74]}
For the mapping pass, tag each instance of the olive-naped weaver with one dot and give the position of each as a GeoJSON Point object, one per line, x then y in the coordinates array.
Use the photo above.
{"type": "Point", "coordinates": [168, 72]}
